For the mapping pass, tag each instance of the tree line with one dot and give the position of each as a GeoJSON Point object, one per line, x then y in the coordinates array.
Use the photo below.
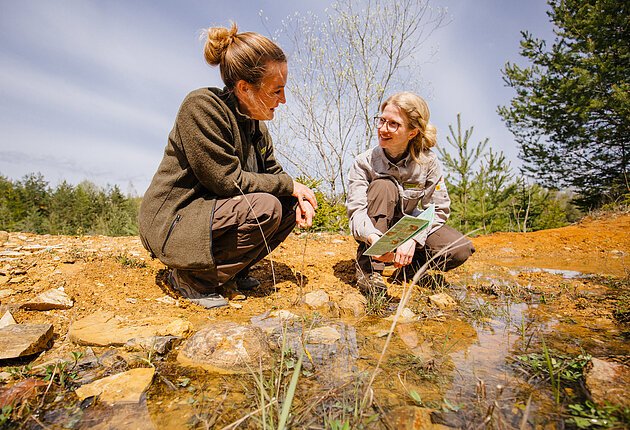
{"type": "Point", "coordinates": [31, 205]}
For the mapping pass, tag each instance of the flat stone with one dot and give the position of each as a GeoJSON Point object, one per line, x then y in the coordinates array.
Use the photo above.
{"type": "Point", "coordinates": [107, 329]}
{"type": "Point", "coordinates": [158, 344]}
{"type": "Point", "coordinates": [7, 319]}
{"type": "Point", "coordinates": [125, 387]}
{"type": "Point", "coordinates": [48, 300]}
{"type": "Point", "coordinates": [4, 237]}
{"type": "Point", "coordinates": [442, 301]}
{"type": "Point", "coordinates": [406, 315]}
{"type": "Point", "coordinates": [19, 340]}
{"type": "Point", "coordinates": [332, 348]}
{"type": "Point", "coordinates": [608, 382]}
{"type": "Point", "coordinates": [226, 347]}
{"type": "Point", "coordinates": [6, 292]}
{"type": "Point", "coordinates": [21, 391]}
{"type": "Point", "coordinates": [316, 299]}
{"type": "Point", "coordinates": [269, 321]}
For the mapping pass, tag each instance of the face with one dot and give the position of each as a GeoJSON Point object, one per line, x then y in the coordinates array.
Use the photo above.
{"type": "Point", "coordinates": [395, 142]}
{"type": "Point", "coordinates": [260, 102]}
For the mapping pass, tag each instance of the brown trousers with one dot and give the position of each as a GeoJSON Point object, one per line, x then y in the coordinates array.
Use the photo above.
{"type": "Point", "coordinates": [384, 211]}
{"type": "Point", "coordinates": [244, 230]}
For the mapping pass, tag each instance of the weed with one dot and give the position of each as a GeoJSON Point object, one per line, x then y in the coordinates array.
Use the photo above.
{"type": "Point", "coordinates": [588, 415]}
{"type": "Point", "coordinates": [130, 262]}
{"type": "Point", "coordinates": [377, 303]}
{"type": "Point", "coordinates": [5, 414]}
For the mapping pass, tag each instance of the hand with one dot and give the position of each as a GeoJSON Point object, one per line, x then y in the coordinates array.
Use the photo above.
{"type": "Point", "coordinates": [385, 258]}
{"type": "Point", "coordinates": [304, 219]}
{"type": "Point", "coordinates": [404, 253]}
{"type": "Point", "coordinates": [304, 194]}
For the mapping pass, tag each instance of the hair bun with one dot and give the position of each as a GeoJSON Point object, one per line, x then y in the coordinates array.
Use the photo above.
{"type": "Point", "coordinates": [218, 40]}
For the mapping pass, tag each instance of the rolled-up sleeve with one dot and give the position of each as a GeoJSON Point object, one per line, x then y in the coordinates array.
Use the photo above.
{"type": "Point", "coordinates": [435, 192]}
{"type": "Point", "coordinates": [356, 203]}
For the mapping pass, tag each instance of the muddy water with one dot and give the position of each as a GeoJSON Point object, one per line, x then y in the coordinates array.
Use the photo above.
{"type": "Point", "coordinates": [462, 363]}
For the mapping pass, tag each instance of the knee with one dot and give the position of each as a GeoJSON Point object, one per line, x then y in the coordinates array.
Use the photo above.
{"type": "Point", "coordinates": [460, 253]}
{"type": "Point", "coordinates": [265, 210]}
{"type": "Point", "coordinates": [382, 196]}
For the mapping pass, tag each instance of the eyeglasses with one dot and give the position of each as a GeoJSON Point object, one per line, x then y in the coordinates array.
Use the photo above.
{"type": "Point", "coordinates": [392, 126]}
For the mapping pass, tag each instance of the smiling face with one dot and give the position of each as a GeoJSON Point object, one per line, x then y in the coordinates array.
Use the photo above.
{"type": "Point", "coordinates": [395, 143]}
{"type": "Point", "coordinates": [260, 102]}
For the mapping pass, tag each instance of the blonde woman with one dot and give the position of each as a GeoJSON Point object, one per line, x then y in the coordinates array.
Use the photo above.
{"type": "Point", "coordinates": [220, 201]}
{"type": "Point", "coordinates": [401, 176]}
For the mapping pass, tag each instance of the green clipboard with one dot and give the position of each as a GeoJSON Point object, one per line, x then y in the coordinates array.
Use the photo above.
{"type": "Point", "coordinates": [406, 228]}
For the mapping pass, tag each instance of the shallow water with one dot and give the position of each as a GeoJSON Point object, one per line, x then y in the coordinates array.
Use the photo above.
{"type": "Point", "coordinates": [461, 363]}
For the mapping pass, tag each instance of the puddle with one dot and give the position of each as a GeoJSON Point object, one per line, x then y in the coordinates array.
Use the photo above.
{"type": "Point", "coordinates": [461, 363]}
{"type": "Point", "coordinates": [566, 274]}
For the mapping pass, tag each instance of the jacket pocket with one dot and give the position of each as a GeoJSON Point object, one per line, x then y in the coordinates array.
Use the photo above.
{"type": "Point", "coordinates": [178, 217]}
{"type": "Point", "coordinates": [411, 199]}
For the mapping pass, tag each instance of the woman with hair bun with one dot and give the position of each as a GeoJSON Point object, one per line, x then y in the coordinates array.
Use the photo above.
{"type": "Point", "coordinates": [401, 176]}
{"type": "Point", "coordinates": [219, 201]}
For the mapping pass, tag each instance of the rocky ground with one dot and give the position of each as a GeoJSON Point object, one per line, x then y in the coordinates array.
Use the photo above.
{"type": "Point", "coordinates": [68, 293]}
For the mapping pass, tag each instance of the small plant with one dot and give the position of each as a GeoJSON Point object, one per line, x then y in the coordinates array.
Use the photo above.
{"type": "Point", "coordinates": [130, 262]}
{"type": "Point", "coordinates": [377, 303]}
{"type": "Point", "coordinates": [588, 415]}
{"type": "Point", "coordinates": [5, 414]}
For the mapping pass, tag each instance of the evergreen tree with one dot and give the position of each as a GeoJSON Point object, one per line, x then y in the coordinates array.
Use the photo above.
{"type": "Point", "coordinates": [571, 112]}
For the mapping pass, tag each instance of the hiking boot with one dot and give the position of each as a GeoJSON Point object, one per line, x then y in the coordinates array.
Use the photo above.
{"type": "Point", "coordinates": [245, 282]}
{"type": "Point", "coordinates": [371, 284]}
{"type": "Point", "coordinates": [184, 287]}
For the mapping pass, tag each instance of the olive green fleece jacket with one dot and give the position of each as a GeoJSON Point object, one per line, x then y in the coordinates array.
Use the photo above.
{"type": "Point", "coordinates": [205, 158]}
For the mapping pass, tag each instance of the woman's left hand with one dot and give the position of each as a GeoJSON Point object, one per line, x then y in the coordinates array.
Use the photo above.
{"type": "Point", "coordinates": [404, 253]}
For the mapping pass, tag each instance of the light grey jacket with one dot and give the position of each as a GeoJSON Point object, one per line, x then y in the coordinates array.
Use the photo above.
{"type": "Point", "coordinates": [418, 184]}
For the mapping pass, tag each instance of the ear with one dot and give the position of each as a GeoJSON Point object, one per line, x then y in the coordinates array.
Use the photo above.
{"type": "Point", "coordinates": [241, 87]}
{"type": "Point", "coordinates": [413, 133]}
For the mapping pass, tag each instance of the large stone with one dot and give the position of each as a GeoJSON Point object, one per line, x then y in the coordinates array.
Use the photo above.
{"type": "Point", "coordinates": [48, 300]}
{"type": "Point", "coordinates": [442, 301]}
{"type": "Point", "coordinates": [125, 387]}
{"type": "Point", "coordinates": [316, 299]}
{"type": "Point", "coordinates": [107, 329]}
{"type": "Point", "coordinates": [226, 347]}
{"type": "Point", "coordinates": [331, 350]}
{"type": "Point", "coordinates": [19, 340]}
{"type": "Point", "coordinates": [7, 319]}
{"type": "Point", "coordinates": [608, 382]}
{"type": "Point", "coordinates": [353, 304]}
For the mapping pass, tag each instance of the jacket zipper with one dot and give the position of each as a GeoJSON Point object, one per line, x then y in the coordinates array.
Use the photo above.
{"type": "Point", "coordinates": [170, 230]}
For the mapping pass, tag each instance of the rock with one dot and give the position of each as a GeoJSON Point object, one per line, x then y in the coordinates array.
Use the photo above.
{"type": "Point", "coordinates": [159, 344]}
{"type": "Point", "coordinates": [4, 237]}
{"type": "Point", "coordinates": [414, 418]}
{"type": "Point", "coordinates": [332, 349]}
{"type": "Point", "coordinates": [107, 329]}
{"type": "Point", "coordinates": [7, 319]}
{"type": "Point", "coordinates": [167, 300]}
{"type": "Point", "coordinates": [5, 376]}
{"type": "Point", "coordinates": [6, 293]}
{"type": "Point", "coordinates": [608, 382]}
{"type": "Point", "coordinates": [353, 304]}
{"type": "Point", "coordinates": [316, 299]}
{"type": "Point", "coordinates": [51, 299]}
{"type": "Point", "coordinates": [21, 391]}
{"type": "Point", "coordinates": [442, 301]}
{"type": "Point", "coordinates": [226, 347]}
{"type": "Point", "coordinates": [406, 315]}
{"type": "Point", "coordinates": [126, 387]}
{"type": "Point", "coordinates": [19, 340]}
{"type": "Point", "coordinates": [269, 321]}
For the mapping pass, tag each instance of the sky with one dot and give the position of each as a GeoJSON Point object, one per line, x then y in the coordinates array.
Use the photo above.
{"type": "Point", "coordinates": [89, 89]}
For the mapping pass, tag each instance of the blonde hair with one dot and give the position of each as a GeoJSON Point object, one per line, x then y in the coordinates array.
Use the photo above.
{"type": "Point", "coordinates": [417, 113]}
{"type": "Point", "coordinates": [240, 56]}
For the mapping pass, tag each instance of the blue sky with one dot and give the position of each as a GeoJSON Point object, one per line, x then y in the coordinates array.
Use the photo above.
{"type": "Point", "coordinates": [89, 89]}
